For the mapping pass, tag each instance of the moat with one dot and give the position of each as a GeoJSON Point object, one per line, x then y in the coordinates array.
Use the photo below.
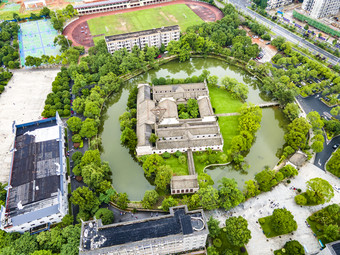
{"type": "Point", "coordinates": [128, 175]}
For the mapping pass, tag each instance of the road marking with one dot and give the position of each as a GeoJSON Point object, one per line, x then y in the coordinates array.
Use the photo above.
{"type": "Point", "coordinates": [319, 162]}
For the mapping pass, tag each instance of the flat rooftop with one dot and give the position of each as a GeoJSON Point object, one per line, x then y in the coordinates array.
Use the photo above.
{"type": "Point", "coordinates": [35, 175]}
{"type": "Point", "coordinates": [140, 33]}
{"type": "Point", "coordinates": [94, 236]}
{"type": "Point", "coordinates": [100, 3]}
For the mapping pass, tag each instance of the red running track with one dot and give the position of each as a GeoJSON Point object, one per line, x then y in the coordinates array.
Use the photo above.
{"type": "Point", "coordinates": [73, 32]}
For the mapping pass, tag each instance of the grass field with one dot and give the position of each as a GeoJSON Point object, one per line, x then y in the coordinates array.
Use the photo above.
{"type": "Point", "coordinates": [222, 100]}
{"type": "Point", "coordinates": [177, 168]}
{"type": "Point", "coordinates": [178, 14]}
{"type": "Point", "coordinates": [229, 129]}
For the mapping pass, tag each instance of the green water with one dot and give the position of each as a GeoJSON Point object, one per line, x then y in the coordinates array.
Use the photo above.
{"type": "Point", "coordinates": [128, 175]}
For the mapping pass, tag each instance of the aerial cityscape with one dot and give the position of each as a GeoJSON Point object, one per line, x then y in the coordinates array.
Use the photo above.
{"type": "Point", "coordinates": [170, 127]}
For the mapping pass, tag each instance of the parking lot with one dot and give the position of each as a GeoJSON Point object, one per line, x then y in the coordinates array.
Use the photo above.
{"type": "Point", "coordinates": [267, 50]}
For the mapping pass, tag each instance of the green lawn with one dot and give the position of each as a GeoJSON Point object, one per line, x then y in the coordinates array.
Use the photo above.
{"type": "Point", "coordinates": [229, 129]}
{"type": "Point", "coordinates": [177, 168]}
{"type": "Point", "coordinates": [178, 14]}
{"type": "Point", "coordinates": [268, 231]}
{"type": "Point", "coordinates": [222, 100]}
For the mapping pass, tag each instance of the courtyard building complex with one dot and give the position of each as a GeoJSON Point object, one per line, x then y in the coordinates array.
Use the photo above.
{"type": "Point", "coordinates": [37, 187]}
{"type": "Point", "coordinates": [112, 5]}
{"type": "Point", "coordinates": [157, 113]}
{"type": "Point", "coordinates": [271, 4]}
{"type": "Point", "coordinates": [177, 232]}
{"type": "Point", "coordinates": [321, 8]}
{"type": "Point", "coordinates": [152, 37]}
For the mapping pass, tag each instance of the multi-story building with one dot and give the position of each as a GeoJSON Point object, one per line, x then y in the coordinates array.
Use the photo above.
{"type": "Point", "coordinates": [112, 5]}
{"type": "Point", "coordinates": [321, 8]}
{"type": "Point", "coordinates": [177, 232]}
{"type": "Point", "coordinates": [152, 37]}
{"type": "Point", "coordinates": [37, 187]}
{"type": "Point", "coordinates": [271, 4]}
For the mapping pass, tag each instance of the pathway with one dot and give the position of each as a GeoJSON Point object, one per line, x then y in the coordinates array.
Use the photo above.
{"type": "Point", "coordinates": [191, 164]}
{"type": "Point", "coordinates": [227, 114]}
{"type": "Point", "coordinates": [283, 197]}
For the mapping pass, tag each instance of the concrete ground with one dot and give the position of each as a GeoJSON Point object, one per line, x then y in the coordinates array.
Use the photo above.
{"type": "Point", "coordinates": [22, 101]}
{"type": "Point", "coordinates": [282, 196]}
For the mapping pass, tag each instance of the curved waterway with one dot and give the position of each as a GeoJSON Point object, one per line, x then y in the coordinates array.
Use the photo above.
{"type": "Point", "coordinates": [128, 175]}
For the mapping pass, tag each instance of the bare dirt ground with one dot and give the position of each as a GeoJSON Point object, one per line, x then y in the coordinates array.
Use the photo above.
{"type": "Point", "coordinates": [268, 50]}
{"type": "Point", "coordinates": [283, 197]}
{"type": "Point", "coordinates": [22, 101]}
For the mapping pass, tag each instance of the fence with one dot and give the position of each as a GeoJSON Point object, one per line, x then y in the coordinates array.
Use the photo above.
{"type": "Point", "coordinates": [316, 24]}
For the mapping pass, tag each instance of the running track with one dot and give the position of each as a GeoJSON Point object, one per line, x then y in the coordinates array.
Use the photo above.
{"type": "Point", "coordinates": [68, 31]}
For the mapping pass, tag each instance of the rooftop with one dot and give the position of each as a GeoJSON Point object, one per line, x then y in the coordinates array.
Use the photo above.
{"type": "Point", "coordinates": [101, 3]}
{"type": "Point", "coordinates": [179, 221]}
{"type": "Point", "coordinates": [141, 33]}
{"type": "Point", "coordinates": [184, 182]}
{"type": "Point", "coordinates": [36, 173]}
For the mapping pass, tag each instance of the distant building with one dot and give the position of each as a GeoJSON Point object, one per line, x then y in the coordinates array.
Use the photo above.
{"type": "Point", "coordinates": [178, 232]}
{"type": "Point", "coordinates": [321, 8]}
{"type": "Point", "coordinates": [331, 249]}
{"type": "Point", "coordinates": [112, 5]}
{"type": "Point", "coordinates": [37, 187]}
{"type": "Point", "coordinates": [157, 112]}
{"type": "Point", "coordinates": [272, 4]}
{"type": "Point", "coordinates": [152, 37]}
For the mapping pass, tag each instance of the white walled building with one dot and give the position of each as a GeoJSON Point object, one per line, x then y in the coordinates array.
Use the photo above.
{"type": "Point", "coordinates": [112, 5]}
{"type": "Point", "coordinates": [152, 37]}
{"type": "Point", "coordinates": [271, 4]}
{"type": "Point", "coordinates": [321, 8]}
{"type": "Point", "coordinates": [177, 232]}
{"type": "Point", "coordinates": [37, 187]}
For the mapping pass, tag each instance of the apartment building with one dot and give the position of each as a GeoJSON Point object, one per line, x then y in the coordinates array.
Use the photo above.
{"type": "Point", "coordinates": [152, 37]}
{"type": "Point", "coordinates": [177, 232]}
{"type": "Point", "coordinates": [112, 5]}
{"type": "Point", "coordinates": [272, 4]}
{"type": "Point", "coordinates": [37, 187]}
{"type": "Point", "coordinates": [321, 8]}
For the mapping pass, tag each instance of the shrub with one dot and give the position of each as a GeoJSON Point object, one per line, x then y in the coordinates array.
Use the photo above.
{"type": "Point", "coordinates": [299, 190]}
{"type": "Point", "coordinates": [76, 138]}
{"type": "Point", "coordinates": [288, 181]}
{"type": "Point", "coordinates": [182, 160]}
{"type": "Point", "coordinates": [2, 88]}
{"type": "Point", "coordinates": [105, 215]}
{"type": "Point", "coordinates": [217, 242]}
{"type": "Point", "coordinates": [178, 154]}
{"type": "Point", "coordinates": [166, 155]}
{"type": "Point", "coordinates": [300, 200]}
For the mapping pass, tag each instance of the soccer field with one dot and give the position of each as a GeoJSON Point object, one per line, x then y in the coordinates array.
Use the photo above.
{"type": "Point", "coordinates": [178, 14]}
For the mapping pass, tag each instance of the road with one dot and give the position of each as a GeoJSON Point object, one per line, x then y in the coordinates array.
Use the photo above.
{"type": "Point", "coordinates": [280, 31]}
{"type": "Point", "coordinates": [322, 157]}
{"type": "Point", "coordinates": [313, 103]}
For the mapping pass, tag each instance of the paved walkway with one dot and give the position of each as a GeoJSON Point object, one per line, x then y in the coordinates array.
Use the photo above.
{"type": "Point", "coordinates": [283, 196]}
{"type": "Point", "coordinates": [227, 114]}
{"type": "Point", "coordinates": [191, 164]}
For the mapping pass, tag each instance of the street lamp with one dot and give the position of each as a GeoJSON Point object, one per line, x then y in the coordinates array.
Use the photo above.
{"type": "Point", "coordinates": [67, 41]}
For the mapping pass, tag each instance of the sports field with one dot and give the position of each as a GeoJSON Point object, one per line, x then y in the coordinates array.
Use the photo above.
{"type": "Point", "coordinates": [178, 14]}
{"type": "Point", "coordinates": [36, 39]}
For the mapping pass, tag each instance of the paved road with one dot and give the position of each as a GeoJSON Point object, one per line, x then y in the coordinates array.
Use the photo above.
{"type": "Point", "coordinates": [280, 31]}
{"type": "Point", "coordinates": [322, 157]}
{"type": "Point", "coordinates": [313, 103]}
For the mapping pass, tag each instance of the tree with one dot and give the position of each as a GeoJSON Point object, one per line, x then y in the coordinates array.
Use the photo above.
{"type": "Point", "coordinates": [237, 231]}
{"type": "Point", "coordinates": [150, 198]}
{"type": "Point", "coordinates": [315, 120]}
{"type": "Point", "coordinates": [333, 164]}
{"type": "Point", "coordinates": [335, 111]}
{"type": "Point", "coordinates": [288, 171]}
{"type": "Point", "coordinates": [331, 232]}
{"type": "Point", "coordinates": [212, 80]}
{"type": "Point", "coordinates": [230, 195]}
{"type": "Point", "coordinates": [122, 200]}
{"type": "Point", "coordinates": [282, 221]}
{"type": "Point", "coordinates": [294, 248]}
{"type": "Point", "coordinates": [296, 137]}
{"type": "Point", "coordinates": [152, 164]}
{"type": "Point", "coordinates": [317, 144]}
{"type": "Point", "coordinates": [251, 189]}
{"type": "Point", "coordinates": [153, 138]}
{"type": "Point", "coordinates": [88, 128]}
{"type": "Point", "coordinates": [300, 200]}
{"type": "Point", "coordinates": [45, 12]}
{"type": "Point", "coordinates": [129, 138]}
{"type": "Point", "coordinates": [209, 198]}
{"type": "Point", "coordinates": [169, 202]}
{"type": "Point", "coordinates": [291, 111]}
{"type": "Point", "coordinates": [266, 179]}
{"type": "Point", "coordinates": [278, 42]}
{"type": "Point", "coordinates": [93, 175]}
{"type": "Point", "coordinates": [204, 180]}
{"type": "Point", "coordinates": [192, 108]}
{"type": "Point", "coordinates": [63, 42]}
{"type": "Point", "coordinates": [214, 229]}
{"type": "Point", "coordinates": [91, 157]}
{"type": "Point", "coordinates": [319, 191]}
{"type": "Point", "coordinates": [74, 124]}
{"type": "Point", "coordinates": [105, 215]}
{"type": "Point", "coordinates": [67, 220]}
{"type": "Point", "coordinates": [86, 199]}
{"type": "Point", "coordinates": [212, 250]}
{"type": "Point", "coordinates": [163, 177]}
